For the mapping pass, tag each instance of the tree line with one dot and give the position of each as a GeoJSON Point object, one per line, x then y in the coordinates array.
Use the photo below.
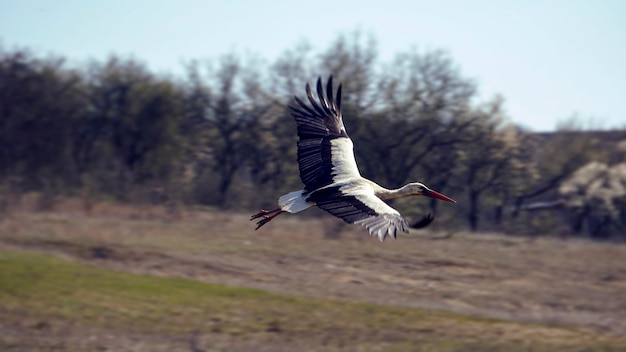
{"type": "Point", "coordinates": [221, 135]}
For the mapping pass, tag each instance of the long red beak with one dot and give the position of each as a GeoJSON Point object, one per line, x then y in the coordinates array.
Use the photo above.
{"type": "Point", "coordinates": [433, 194]}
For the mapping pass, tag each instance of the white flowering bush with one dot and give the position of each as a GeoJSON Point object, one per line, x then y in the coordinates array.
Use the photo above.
{"type": "Point", "coordinates": [597, 192]}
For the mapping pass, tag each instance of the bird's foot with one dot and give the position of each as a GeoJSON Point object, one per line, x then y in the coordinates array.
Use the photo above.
{"type": "Point", "coordinates": [263, 221]}
{"type": "Point", "coordinates": [266, 215]}
{"type": "Point", "coordinates": [263, 213]}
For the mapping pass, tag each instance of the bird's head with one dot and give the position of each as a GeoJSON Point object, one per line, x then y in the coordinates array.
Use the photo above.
{"type": "Point", "coordinates": [420, 189]}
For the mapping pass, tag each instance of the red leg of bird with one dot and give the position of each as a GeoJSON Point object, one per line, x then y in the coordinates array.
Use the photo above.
{"type": "Point", "coordinates": [266, 215]}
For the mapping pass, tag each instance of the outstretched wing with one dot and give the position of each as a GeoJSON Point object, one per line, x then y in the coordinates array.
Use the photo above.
{"type": "Point", "coordinates": [357, 204]}
{"type": "Point", "coordinates": [325, 152]}
{"type": "Point", "coordinates": [328, 168]}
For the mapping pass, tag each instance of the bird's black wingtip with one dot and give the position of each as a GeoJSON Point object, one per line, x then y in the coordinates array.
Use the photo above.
{"type": "Point", "coordinates": [423, 222]}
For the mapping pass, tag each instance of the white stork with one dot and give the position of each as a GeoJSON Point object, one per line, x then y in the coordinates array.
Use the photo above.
{"type": "Point", "coordinates": [331, 177]}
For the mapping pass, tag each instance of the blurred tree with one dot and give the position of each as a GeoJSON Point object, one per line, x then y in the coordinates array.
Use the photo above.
{"type": "Point", "coordinates": [416, 124]}
{"type": "Point", "coordinates": [138, 119]}
{"type": "Point", "coordinates": [290, 71]}
{"type": "Point", "coordinates": [489, 162]}
{"type": "Point", "coordinates": [223, 135]}
{"type": "Point", "coordinates": [232, 110]}
{"type": "Point", "coordinates": [353, 59]}
{"type": "Point", "coordinates": [547, 169]}
{"type": "Point", "coordinates": [40, 103]}
{"type": "Point", "coordinates": [519, 170]}
{"type": "Point", "coordinates": [552, 159]}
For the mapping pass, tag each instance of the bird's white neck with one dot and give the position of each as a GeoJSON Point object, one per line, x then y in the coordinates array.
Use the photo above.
{"type": "Point", "coordinates": [384, 193]}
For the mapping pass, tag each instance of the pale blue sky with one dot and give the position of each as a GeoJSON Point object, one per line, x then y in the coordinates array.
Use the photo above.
{"type": "Point", "coordinates": [549, 59]}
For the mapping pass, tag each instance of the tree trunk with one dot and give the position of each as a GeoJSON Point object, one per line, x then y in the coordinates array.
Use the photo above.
{"type": "Point", "coordinates": [497, 216]}
{"type": "Point", "coordinates": [472, 215]}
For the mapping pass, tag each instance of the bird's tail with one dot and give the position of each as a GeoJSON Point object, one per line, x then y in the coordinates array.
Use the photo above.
{"type": "Point", "coordinates": [294, 202]}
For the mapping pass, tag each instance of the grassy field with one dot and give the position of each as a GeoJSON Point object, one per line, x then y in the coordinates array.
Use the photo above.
{"type": "Point", "coordinates": [128, 279]}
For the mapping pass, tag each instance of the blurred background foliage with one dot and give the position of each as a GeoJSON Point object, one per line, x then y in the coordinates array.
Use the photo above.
{"type": "Point", "coordinates": [221, 136]}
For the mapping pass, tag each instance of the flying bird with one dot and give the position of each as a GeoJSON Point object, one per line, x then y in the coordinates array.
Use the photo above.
{"type": "Point", "coordinates": [331, 178]}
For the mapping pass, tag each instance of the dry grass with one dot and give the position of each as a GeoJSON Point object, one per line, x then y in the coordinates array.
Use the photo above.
{"type": "Point", "coordinates": [49, 303]}
{"type": "Point", "coordinates": [576, 284]}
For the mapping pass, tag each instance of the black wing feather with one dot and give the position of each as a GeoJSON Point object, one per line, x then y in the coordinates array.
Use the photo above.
{"type": "Point", "coordinates": [322, 97]}
{"type": "Point", "coordinates": [316, 106]}
{"type": "Point", "coordinates": [423, 222]}
{"type": "Point", "coordinates": [360, 210]}
{"type": "Point", "coordinates": [329, 89]}
{"type": "Point", "coordinates": [318, 123]}
{"type": "Point", "coordinates": [346, 207]}
{"type": "Point", "coordinates": [304, 106]}
{"type": "Point", "coordinates": [338, 100]}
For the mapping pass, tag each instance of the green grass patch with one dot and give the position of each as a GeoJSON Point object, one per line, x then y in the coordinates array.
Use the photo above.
{"type": "Point", "coordinates": [52, 288]}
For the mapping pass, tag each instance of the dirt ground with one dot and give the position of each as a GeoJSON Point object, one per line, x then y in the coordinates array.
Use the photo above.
{"type": "Point", "coordinates": [540, 280]}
